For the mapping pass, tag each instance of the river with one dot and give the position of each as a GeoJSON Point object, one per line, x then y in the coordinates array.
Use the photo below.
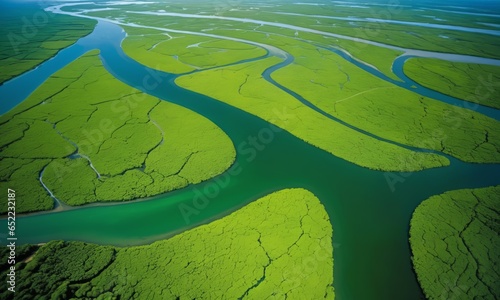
{"type": "Point", "coordinates": [370, 220]}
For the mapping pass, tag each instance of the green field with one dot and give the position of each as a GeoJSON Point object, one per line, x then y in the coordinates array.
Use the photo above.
{"type": "Point", "coordinates": [278, 246]}
{"type": "Point", "coordinates": [470, 82]}
{"type": "Point", "coordinates": [108, 143]}
{"type": "Point", "coordinates": [454, 240]}
{"type": "Point", "coordinates": [413, 37]}
{"type": "Point", "coordinates": [29, 36]}
{"type": "Point", "coordinates": [388, 111]}
{"type": "Point", "coordinates": [327, 81]}
{"type": "Point", "coordinates": [305, 139]}
{"type": "Point", "coordinates": [250, 92]}
{"type": "Point", "coordinates": [176, 53]}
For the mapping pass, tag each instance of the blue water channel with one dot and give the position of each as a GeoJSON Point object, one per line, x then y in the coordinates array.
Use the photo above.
{"type": "Point", "coordinates": [370, 218]}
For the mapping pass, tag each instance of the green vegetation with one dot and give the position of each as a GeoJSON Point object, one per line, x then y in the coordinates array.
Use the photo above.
{"type": "Point", "coordinates": [29, 35]}
{"type": "Point", "coordinates": [379, 107]}
{"type": "Point", "coordinates": [454, 240]}
{"type": "Point", "coordinates": [380, 58]}
{"type": "Point", "coordinates": [346, 92]}
{"type": "Point", "coordinates": [394, 12]}
{"type": "Point", "coordinates": [247, 90]}
{"type": "Point", "coordinates": [406, 36]}
{"type": "Point", "coordinates": [471, 82]}
{"type": "Point", "coordinates": [22, 175]}
{"type": "Point", "coordinates": [183, 53]}
{"type": "Point", "coordinates": [106, 142]}
{"type": "Point", "coordinates": [278, 246]}
{"type": "Point", "coordinates": [23, 253]}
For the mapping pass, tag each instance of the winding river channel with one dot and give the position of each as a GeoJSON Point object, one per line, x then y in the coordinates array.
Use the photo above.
{"type": "Point", "coordinates": [369, 217]}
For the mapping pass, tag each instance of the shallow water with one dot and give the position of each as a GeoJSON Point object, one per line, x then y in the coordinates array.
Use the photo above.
{"type": "Point", "coordinates": [370, 220]}
{"type": "Point", "coordinates": [418, 24]}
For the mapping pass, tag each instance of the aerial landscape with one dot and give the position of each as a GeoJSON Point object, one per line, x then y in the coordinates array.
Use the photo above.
{"type": "Point", "coordinates": [250, 149]}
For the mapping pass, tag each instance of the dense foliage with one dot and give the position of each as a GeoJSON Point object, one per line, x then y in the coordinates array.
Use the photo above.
{"type": "Point", "coordinates": [278, 246]}
{"type": "Point", "coordinates": [454, 239]}
{"type": "Point", "coordinates": [29, 35]}
{"type": "Point", "coordinates": [175, 53]}
{"type": "Point", "coordinates": [471, 82]}
{"type": "Point", "coordinates": [390, 112]}
{"type": "Point", "coordinates": [252, 93]}
{"type": "Point", "coordinates": [107, 142]}
{"type": "Point", "coordinates": [55, 267]}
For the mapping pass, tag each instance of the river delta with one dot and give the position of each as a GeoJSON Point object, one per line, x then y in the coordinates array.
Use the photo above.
{"type": "Point", "coordinates": [304, 149]}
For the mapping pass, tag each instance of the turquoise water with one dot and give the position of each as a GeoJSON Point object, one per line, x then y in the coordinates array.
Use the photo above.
{"type": "Point", "coordinates": [370, 220]}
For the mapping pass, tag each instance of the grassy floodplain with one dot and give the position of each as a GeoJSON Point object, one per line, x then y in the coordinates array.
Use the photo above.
{"type": "Point", "coordinates": [454, 240]}
{"type": "Point", "coordinates": [107, 143]}
{"type": "Point", "coordinates": [145, 39]}
{"type": "Point", "coordinates": [29, 36]}
{"type": "Point", "coordinates": [471, 82]}
{"type": "Point", "coordinates": [375, 56]}
{"type": "Point", "coordinates": [319, 18]}
{"type": "Point", "coordinates": [140, 42]}
{"type": "Point", "coordinates": [345, 91]}
{"type": "Point", "coordinates": [252, 93]}
{"type": "Point", "coordinates": [265, 249]}
{"type": "Point", "coordinates": [176, 53]}
{"type": "Point", "coordinates": [414, 37]}
{"type": "Point", "coordinates": [394, 113]}
{"type": "Point", "coordinates": [377, 9]}
{"type": "Point", "coordinates": [407, 36]}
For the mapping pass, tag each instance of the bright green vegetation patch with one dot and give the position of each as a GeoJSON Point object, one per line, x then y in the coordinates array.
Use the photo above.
{"type": "Point", "coordinates": [367, 102]}
{"type": "Point", "coordinates": [22, 175]}
{"type": "Point", "coordinates": [454, 240]}
{"type": "Point", "coordinates": [471, 82]}
{"type": "Point", "coordinates": [406, 36]}
{"type": "Point", "coordinates": [374, 105]}
{"type": "Point", "coordinates": [247, 90]}
{"type": "Point", "coordinates": [30, 35]}
{"type": "Point", "coordinates": [177, 53]}
{"type": "Point", "coordinates": [278, 246]}
{"type": "Point", "coordinates": [380, 58]}
{"type": "Point", "coordinates": [88, 137]}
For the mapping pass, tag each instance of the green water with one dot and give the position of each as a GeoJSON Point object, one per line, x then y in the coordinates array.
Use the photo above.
{"type": "Point", "coordinates": [370, 221]}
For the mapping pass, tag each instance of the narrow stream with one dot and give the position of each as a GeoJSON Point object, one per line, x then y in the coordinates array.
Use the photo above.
{"type": "Point", "coordinates": [370, 219]}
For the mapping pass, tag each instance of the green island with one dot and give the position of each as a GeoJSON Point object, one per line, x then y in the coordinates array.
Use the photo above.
{"type": "Point", "coordinates": [278, 246]}
{"type": "Point", "coordinates": [471, 82]}
{"type": "Point", "coordinates": [108, 143]}
{"type": "Point", "coordinates": [255, 95]}
{"type": "Point", "coordinates": [380, 58]}
{"type": "Point", "coordinates": [413, 37]}
{"type": "Point", "coordinates": [330, 83]}
{"type": "Point", "coordinates": [30, 36]}
{"type": "Point", "coordinates": [278, 121]}
{"type": "Point", "coordinates": [454, 240]}
{"type": "Point", "coordinates": [184, 53]}
{"type": "Point", "coordinates": [388, 111]}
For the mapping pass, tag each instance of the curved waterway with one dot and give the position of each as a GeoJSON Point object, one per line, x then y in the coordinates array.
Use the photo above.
{"type": "Point", "coordinates": [420, 53]}
{"type": "Point", "coordinates": [410, 85]}
{"type": "Point", "coordinates": [418, 24]}
{"type": "Point", "coordinates": [370, 219]}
